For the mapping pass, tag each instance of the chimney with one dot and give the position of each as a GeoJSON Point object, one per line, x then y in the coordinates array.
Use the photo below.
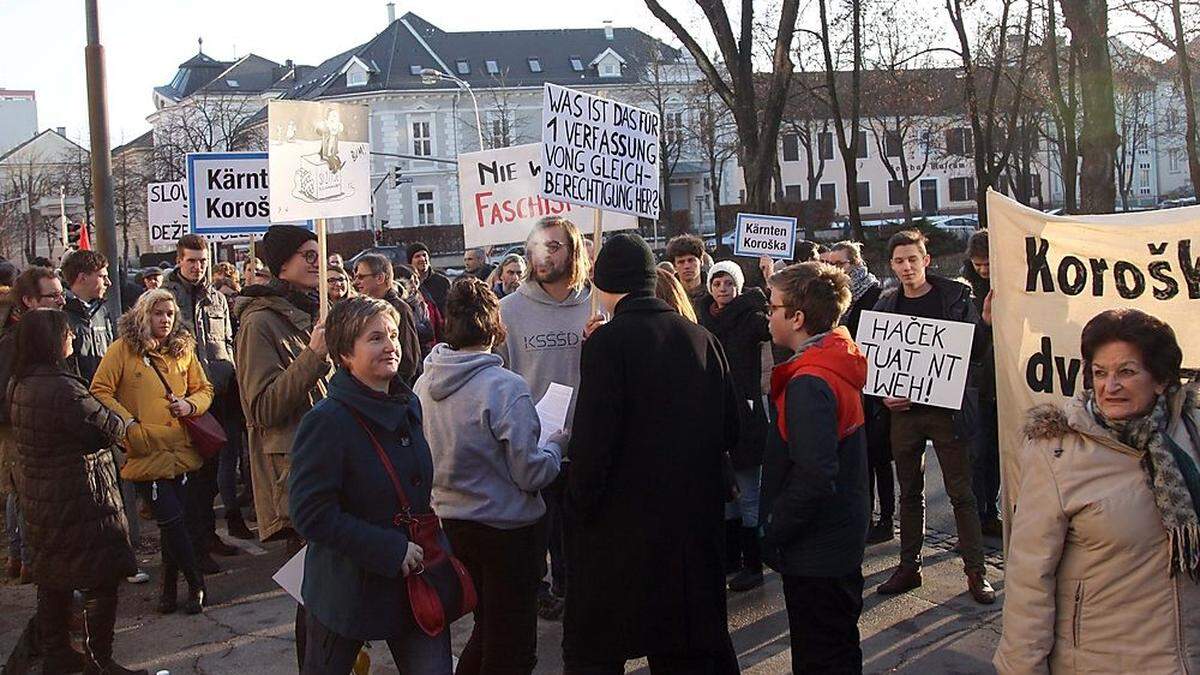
{"type": "Point", "coordinates": [62, 131]}
{"type": "Point", "coordinates": [608, 30]}
{"type": "Point", "coordinates": [391, 6]}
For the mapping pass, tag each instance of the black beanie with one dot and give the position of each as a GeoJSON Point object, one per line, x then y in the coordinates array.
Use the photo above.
{"type": "Point", "coordinates": [415, 248]}
{"type": "Point", "coordinates": [280, 243]}
{"type": "Point", "coordinates": [625, 265]}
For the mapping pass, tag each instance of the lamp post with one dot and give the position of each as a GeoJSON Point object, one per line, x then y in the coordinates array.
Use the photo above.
{"type": "Point", "coordinates": [432, 76]}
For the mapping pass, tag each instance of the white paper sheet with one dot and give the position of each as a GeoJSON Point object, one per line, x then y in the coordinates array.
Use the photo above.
{"type": "Point", "coordinates": [552, 410]}
{"type": "Point", "coordinates": [290, 577]}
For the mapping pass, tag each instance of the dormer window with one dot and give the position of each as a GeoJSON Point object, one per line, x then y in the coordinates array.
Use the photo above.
{"type": "Point", "coordinates": [577, 64]}
{"type": "Point", "coordinates": [356, 77]}
{"type": "Point", "coordinates": [463, 67]}
{"type": "Point", "coordinates": [608, 63]}
{"type": "Point", "coordinates": [232, 83]}
{"type": "Point", "coordinates": [493, 68]}
{"type": "Point", "coordinates": [414, 70]}
{"type": "Point", "coordinates": [535, 64]}
{"type": "Point", "coordinates": [610, 69]}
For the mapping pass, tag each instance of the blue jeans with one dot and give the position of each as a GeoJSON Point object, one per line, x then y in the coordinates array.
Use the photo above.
{"type": "Point", "coordinates": [231, 455]}
{"type": "Point", "coordinates": [14, 524]}
{"type": "Point", "coordinates": [327, 653]}
{"type": "Point", "coordinates": [985, 464]}
{"type": "Point", "coordinates": [749, 483]}
{"type": "Point", "coordinates": [168, 499]}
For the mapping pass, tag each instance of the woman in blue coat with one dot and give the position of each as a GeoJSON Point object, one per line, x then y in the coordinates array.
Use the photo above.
{"type": "Point", "coordinates": [343, 502]}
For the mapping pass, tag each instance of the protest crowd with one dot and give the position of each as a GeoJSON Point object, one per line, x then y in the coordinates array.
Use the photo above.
{"type": "Point", "coordinates": [715, 428]}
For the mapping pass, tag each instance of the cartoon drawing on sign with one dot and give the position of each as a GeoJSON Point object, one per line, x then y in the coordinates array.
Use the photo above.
{"type": "Point", "coordinates": [320, 159]}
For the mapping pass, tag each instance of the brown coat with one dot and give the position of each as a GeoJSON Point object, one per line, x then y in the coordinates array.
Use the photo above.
{"type": "Point", "coordinates": [1088, 583]}
{"type": "Point", "coordinates": [280, 379]}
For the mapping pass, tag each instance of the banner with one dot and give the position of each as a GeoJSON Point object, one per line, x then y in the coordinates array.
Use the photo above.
{"type": "Point", "coordinates": [1051, 274]}
{"type": "Point", "coordinates": [166, 213]}
{"type": "Point", "coordinates": [320, 160]}
{"type": "Point", "coordinates": [757, 235]}
{"type": "Point", "coordinates": [923, 360]}
{"type": "Point", "coordinates": [599, 152]}
{"type": "Point", "coordinates": [501, 201]}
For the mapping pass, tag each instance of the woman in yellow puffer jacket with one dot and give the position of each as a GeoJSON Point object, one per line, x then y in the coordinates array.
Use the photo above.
{"type": "Point", "coordinates": [159, 452]}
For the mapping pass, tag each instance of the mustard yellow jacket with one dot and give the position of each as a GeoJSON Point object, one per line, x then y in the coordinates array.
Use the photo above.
{"type": "Point", "coordinates": [157, 446]}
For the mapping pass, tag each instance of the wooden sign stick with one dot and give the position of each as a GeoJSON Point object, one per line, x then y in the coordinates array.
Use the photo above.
{"type": "Point", "coordinates": [597, 239]}
{"type": "Point", "coordinates": [322, 268]}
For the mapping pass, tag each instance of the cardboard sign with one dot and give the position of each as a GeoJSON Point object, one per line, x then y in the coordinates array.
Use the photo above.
{"type": "Point", "coordinates": [598, 152]}
{"type": "Point", "coordinates": [166, 213]}
{"type": "Point", "coordinates": [500, 199]}
{"type": "Point", "coordinates": [320, 160]}
{"type": "Point", "coordinates": [924, 360]}
{"type": "Point", "coordinates": [228, 194]}
{"type": "Point", "coordinates": [758, 235]}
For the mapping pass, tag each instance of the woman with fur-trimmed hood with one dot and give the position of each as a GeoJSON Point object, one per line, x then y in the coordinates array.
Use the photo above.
{"type": "Point", "coordinates": [158, 450]}
{"type": "Point", "coordinates": [1104, 547]}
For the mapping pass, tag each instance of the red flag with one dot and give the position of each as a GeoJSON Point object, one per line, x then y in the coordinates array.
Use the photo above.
{"type": "Point", "coordinates": [85, 244]}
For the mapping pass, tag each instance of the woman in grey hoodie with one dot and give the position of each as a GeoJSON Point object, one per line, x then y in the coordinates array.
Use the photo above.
{"type": "Point", "coordinates": [483, 432]}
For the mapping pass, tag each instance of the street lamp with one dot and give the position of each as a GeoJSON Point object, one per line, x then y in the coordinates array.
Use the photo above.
{"type": "Point", "coordinates": [431, 76]}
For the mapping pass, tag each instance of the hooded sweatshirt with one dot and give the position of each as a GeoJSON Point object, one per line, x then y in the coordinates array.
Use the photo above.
{"type": "Point", "coordinates": [483, 432]}
{"type": "Point", "coordinates": [545, 337]}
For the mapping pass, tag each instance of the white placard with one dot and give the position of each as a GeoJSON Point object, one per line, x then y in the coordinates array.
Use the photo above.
{"type": "Point", "coordinates": [290, 577]}
{"type": "Point", "coordinates": [228, 195]}
{"type": "Point", "coordinates": [501, 202]}
{"type": "Point", "coordinates": [924, 360]}
{"type": "Point", "coordinates": [759, 235]}
{"type": "Point", "coordinates": [599, 152]}
{"type": "Point", "coordinates": [166, 213]}
{"type": "Point", "coordinates": [320, 160]}
{"type": "Point", "coordinates": [552, 411]}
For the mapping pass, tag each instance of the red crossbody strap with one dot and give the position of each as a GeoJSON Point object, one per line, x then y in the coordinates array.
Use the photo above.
{"type": "Point", "coordinates": [387, 463]}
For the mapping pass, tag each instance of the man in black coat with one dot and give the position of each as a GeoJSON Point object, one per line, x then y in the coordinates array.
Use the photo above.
{"type": "Point", "coordinates": [646, 489]}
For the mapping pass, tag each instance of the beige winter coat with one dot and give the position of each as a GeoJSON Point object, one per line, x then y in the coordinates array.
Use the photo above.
{"type": "Point", "coordinates": [1088, 585]}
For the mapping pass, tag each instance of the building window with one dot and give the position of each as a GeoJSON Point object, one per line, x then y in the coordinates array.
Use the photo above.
{"type": "Point", "coordinates": [897, 193]}
{"type": "Point", "coordinates": [463, 67]}
{"type": "Point", "coordinates": [864, 193]}
{"type": "Point", "coordinates": [501, 132]}
{"type": "Point", "coordinates": [535, 65]}
{"type": "Point", "coordinates": [829, 193]}
{"type": "Point", "coordinates": [673, 127]}
{"type": "Point", "coordinates": [891, 143]}
{"type": "Point", "coordinates": [493, 68]}
{"type": "Point", "coordinates": [356, 77]}
{"type": "Point", "coordinates": [415, 69]}
{"type": "Point", "coordinates": [1144, 176]}
{"type": "Point", "coordinates": [825, 145]}
{"type": "Point", "coordinates": [425, 207]}
{"type": "Point", "coordinates": [577, 64]}
{"type": "Point", "coordinates": [791, 147]}
{"type": "Point", "coordinates": [232, 83]}
{"type": "Point", "coordinates": [791, 193]}
{"type": "Point", "coordinates": [610, 68]}
{"type": "Point", "coordinates": [422, 139]}
{"type": "Point", "coordinates": [962, 189]}
{"type": "Point", "coordinates": [959, 142]}
{"type": "Point", "coordinates": [1175, 157]}
{"type": "Point", "coordinates": [863, 146]}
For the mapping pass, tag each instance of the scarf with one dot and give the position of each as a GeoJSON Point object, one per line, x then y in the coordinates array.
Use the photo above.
{"type": "Point", "coordinates": [1172, 475]}
{"type": "Point", "coordinates": [303, 299]}
{"type": "Point", "coordinates": [861, 281]}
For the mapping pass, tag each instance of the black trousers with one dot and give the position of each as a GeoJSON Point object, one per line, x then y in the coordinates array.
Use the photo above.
{"type": "Point", "coordinates": [823, 618]}
{"type": "Point", "coordinates": [505, 566]}
{"type": "Point", "coordinates": [555, 523]}
{"type": "Point", "coordinates": [724, 663]}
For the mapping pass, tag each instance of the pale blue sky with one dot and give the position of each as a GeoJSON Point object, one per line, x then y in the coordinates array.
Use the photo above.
{"type": "Point", "coordinates": [42, 41]}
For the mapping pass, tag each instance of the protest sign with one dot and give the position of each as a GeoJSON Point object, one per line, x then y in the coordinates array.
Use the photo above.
{"type": "Point", "coordinates": [771, 236]}
{"type": "Point", "coordinates": [228, 195]}
{"type": "Point", "coordinates": [924, 360]}
{"type": "Point", "coordinates": [166, 213]}
{"type": "Point", "coordinates": [1051, 274]}
{"type": "Point", "coordinates": [598, 152]}
{"type": "Point", "coordinates": [320, 160]}
{"type": "Point", "coordinates": [501, 201]}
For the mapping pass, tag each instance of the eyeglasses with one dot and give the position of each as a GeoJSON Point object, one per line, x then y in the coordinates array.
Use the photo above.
{"type": "Point", "coordinates": [337, 280]}
{"type": "Point", "coordinates": [310, 256]}
{"type": "Point", "coordinates": [360, 277]}
{"type": "Point", "coordinates": [53, 296]}
{"type": "Point", "coordinates": [771, 308]}
{"type": "Point", "coordinates": [551, 246]}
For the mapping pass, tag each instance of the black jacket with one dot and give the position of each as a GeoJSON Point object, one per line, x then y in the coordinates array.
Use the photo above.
{"type": "Point", "coordinates": [94, 330]}
{"type": "Point", "coordinates": [654, 415]}
{"type": "Point", "coordinates": [854, 313]}
{"type": "Point", "coordinates": [437, 285]}
{"type": "Point", "coordinates": [410, 343]}
{"type": "Point", "coordinates": [204, 312]}
{"type": "Point", "coordinates": [67, 484]}
{"type": "Point", "coordinates": [742, 329]}
{"type": "Point", "coordinates": [986, 369]}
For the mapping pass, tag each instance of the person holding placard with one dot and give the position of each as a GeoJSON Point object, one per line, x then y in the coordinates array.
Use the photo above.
{"type": "Point", "coordinates": [283, 371]}
{"type": "Point", "coordinates": [686, 252]}
{"type": "Point", "coordinates": [656, 414]}
{"type": "Point", "coordinates": [816, 502]}
{"type": "Point", "coordinates": [1103, 553]}
{"type": "Point", "coordinates": [914, 424]}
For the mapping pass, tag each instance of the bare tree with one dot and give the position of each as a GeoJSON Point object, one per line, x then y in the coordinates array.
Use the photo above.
{"type": "Point", "coordinates": [757, 107]}
{"type": "Point", "coordinates": [715, 137]}
{"type": "Point", "coordinates": [663, 91]}
{"type": "Point", "coordinates": [205, 124]}
{"type": "Point", "coordinates": [1173, 24]}
{"type": "Point", "coordinates": [29, 178]}
{"type": "Point", "coordinates": [1063, 98]}
{"type": "Point", "coordinates": [1088, 22]}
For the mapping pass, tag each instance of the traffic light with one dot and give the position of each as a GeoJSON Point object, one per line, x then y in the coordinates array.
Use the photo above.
{"type": "Point", "coordinates": [396, 176]}
{"type": "Point", "coordinates": [78, 236]}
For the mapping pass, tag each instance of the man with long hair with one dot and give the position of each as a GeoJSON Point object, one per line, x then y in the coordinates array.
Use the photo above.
{"type": "Point", "coordinates": [545, 318]}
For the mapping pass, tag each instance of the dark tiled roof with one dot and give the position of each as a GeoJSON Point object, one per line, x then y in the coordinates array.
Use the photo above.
{"type": "Point", "coordinates": [391, 56]}
{"type": "Point", "coordinates": [145, 141]}
{"type": "Point", "coordinates": [251, 74]}
{"type": "Point", "coordinates": [192, 74]}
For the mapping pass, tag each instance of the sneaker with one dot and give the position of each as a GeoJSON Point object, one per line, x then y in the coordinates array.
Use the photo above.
{"type": "Point", "coordinates": [746, 580]}
{"type": "Point", "coordinates": [904, 579]}
{"type": "Point", "coordinates": [880, 532]}
{"type": "Point", "coordinates": [550, 608]}
{"type": "Point", "coordinates": [980, 589]}
{"type": "Point", "coordinates": [139, 578]}
{"type": "Point", "coordinates": [992, 527]}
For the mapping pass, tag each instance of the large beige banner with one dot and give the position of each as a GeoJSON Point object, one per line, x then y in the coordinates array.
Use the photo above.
{"type": "Point", "coordinates": [1051, 274]}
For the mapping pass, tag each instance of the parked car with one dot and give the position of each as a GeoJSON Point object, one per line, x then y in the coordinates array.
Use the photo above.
{"type": "Point", "coordinates": [397, 254]}
{"type": "Point", "coordinates": [1176, 203]}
